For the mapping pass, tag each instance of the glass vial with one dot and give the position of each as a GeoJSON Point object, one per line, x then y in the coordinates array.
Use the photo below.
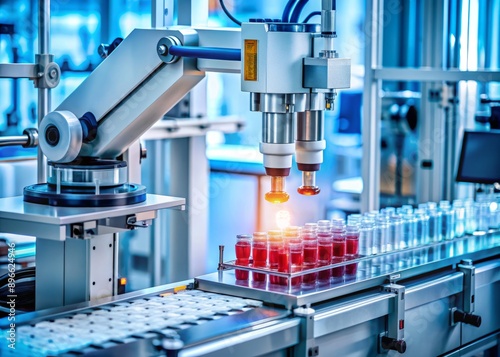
{"type": "Point", "coordinates": [242, 249]}
{"type": "Point", "coordinates": [352, 233]}
{"type": "Point", "coordinates": [339, 249]}
{"type": "Point", "coordinates": [325, 241]}
{"type": "Point", "coordinates": [275, 244]}
{"type": "Point", "coordinates": [259, 254]}
{"type": "Point", "coordinates": [293, 239]}
{"type": "Point", "coordinates": [310, 254]}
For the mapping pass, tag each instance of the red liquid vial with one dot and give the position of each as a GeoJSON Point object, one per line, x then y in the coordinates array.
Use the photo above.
{"type": "Point", "coordinates": [293, 240]}
{"type": "Point", "coordinates": [259, 254]}
{"type": "Point", "coordinates": [283, 264]}
{"type": "Point", "coordinates": [242, 249]}
{"type": "Point", "coordinates": [352, 249]}
{"type": "Point", "coordinates": [310, 243]}
{"type": "Point", "coordinates": [325, 250]}
{"type": "Point", "coordinates": [275, 244]}
{"type": "Point", "coordinates": [339, 248]}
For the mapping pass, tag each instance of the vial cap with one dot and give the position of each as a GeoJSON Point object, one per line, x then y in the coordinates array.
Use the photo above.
{"type": "Point", "coordinates": [260, 237]}
{"type": "Point", "coordinates": [274, 235]}
{"type": "Point", "coordinates": [292, 231]}
{"type": "Point", "coordinates": [244, 237]}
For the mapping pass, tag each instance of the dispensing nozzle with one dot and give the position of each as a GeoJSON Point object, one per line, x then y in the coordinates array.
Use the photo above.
{"type": "Point", "coordinates": [308, 187]}
{"type": "Point", "coordinates": [277, 193]}
{"type": "Point", "coordinates": [309, 148]}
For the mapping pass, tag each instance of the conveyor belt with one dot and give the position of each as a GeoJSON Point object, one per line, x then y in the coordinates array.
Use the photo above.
{"type": "Point", "coordinates": [121, 322]}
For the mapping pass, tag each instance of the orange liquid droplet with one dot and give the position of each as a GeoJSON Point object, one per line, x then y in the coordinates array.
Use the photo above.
{"type": "Point", "coordinates": [276, 196]}
{"type": "Point", "coordinates": [308, 190]}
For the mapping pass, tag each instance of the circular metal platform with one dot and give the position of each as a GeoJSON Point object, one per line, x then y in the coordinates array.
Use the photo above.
{"type": "Point", "coordinates": [126, 194]}
{"type": "Point", "coordinates": [88, 173]}
{"type": "Point", "coordinates": [87, 182]}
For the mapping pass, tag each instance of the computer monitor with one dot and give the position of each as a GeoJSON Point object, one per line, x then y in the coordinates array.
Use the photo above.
{"type": "Point", "coordinates": [480, 157]}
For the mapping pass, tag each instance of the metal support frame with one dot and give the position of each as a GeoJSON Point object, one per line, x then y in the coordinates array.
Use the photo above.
{"type": "Point", "coordinates": [44, 72]}
{"type": "Point", "coordinates": [162, 13]}
{"type": "Point", "coordinates": [434, 74]}
{"type": "Point", "coordinates": [372, 108]}
{"type": "Point", "coordinates": [43, 93]}
{"type": "Point", "coordinates": [469, 296]}
{"type": "Point", "coordinates": [74, 270]}
{"type": "Point", "coordinates": [188, 230]}
{"type": "Point", "coordinates": [393, 339]}
{"type": "Point", "coordinates": [469, 271]}
{"type": "Point", "coordinates": [432, 130]}
{"type": "Point", "coordinates": [307, 345]}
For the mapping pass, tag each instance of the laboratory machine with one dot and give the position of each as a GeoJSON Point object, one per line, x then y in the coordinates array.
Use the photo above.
{"type": "Point", "coordinates": [418, 282]}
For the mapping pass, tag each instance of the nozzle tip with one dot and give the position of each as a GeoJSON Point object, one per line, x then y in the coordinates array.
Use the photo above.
{"type": "Point", "coordinates": [309, 190]}
{"type": "Point", "coordinates": [277, 196]}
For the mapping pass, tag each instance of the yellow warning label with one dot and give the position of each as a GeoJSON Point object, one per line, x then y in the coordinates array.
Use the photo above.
{"type": "Point", "coordinates": [251, 51]}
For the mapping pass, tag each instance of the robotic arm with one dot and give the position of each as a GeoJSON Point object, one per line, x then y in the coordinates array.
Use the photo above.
{"type": "Point", "coordinates": [131, 90]}
{"type": "Point", "coordinates": [290, 70]}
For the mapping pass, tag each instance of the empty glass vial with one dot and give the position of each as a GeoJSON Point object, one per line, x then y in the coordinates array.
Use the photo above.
{"type": "Point", "coordinates": [380, 234]}
{"type": "Point", "coordinates": [422, 227]}
{"type": "Point", "coordinates": [390, 211]}
{"type": "Point", "coordinates": [495, 211]}
{"type": "Point", "coordinates": [448, 220]}
{"type": "Point", "coordinates": [435, 222]}
{"type": "Point", "coordinates": [407, 208]}
{"type": "Point", "coordinates": [483, 213]}
{"type": "Point", "coordinates": [366, 236]}
{"type": "Point", "coordinates": [395, 232]}
{"type": "Point", "coordinates": [459, 209]}
{"type": "Point", "coordinates": [470, 216]}
{"type": "Point", "coordinates": [409, 230]}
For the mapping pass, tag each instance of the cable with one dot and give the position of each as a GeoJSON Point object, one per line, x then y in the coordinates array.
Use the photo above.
{"type": "Point", "coordinates": [288, 9]}
{"type": "Point", "coordinates": [297, 11]}
{"type": "Point", "coordinates": [226, 11]}
{"type": "Point", "coordinates": [311, 15]}
{"type": "Point", "coordinates": [228, 54]}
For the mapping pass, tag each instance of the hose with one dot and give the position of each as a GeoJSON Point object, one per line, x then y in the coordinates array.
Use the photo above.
{"type": "Point", "coordinates": [227, 54]}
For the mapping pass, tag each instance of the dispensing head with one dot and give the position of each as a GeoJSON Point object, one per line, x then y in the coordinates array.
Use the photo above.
{"type": "Point", "coordinates": [277, 148]}
{"type": "Point", "coordinates": [309, 148]}
{"type": "Point", "coordinates": [287, 84]}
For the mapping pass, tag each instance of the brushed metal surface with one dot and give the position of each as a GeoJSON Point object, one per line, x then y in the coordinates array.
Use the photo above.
{"type": "Point", "coordinates": [15, 208]}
